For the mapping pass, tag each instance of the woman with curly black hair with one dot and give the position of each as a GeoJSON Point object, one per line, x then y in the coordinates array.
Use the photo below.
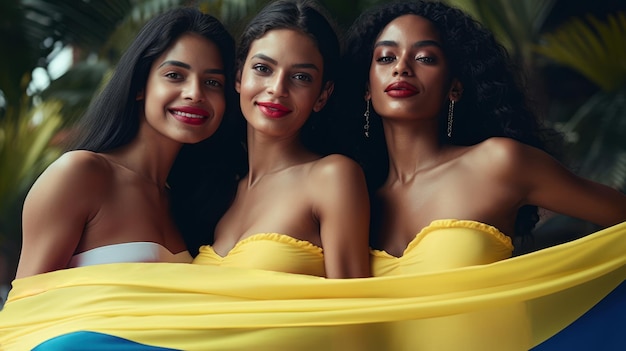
{"type": "Point", "coordinates": [455, 159]}
{"type": "Point", "coordinates": [450, 144]}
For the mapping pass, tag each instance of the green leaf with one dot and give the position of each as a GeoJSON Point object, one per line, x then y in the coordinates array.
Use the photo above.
{"type": "Point", "coordinates": [595, 49]}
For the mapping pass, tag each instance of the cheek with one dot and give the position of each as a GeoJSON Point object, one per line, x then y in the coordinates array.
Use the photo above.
{"type": "Point", "coordinates": [244, 89]}
{"type": "Point", "coordinates": [155, 93]}
{"type": "Point", "coordinates": [249, 84]}
{"type": "Point", "coordinates": [218, 103]}
{"type": "Point", "coordinates": [308, 95]}
{"type": "Point", "coordinates": [377, 94]}
{"type": "Point", "coordinates": [438, 79]}
{"type": "Point", "coordinates": [151, 100]}
{"type": "Point", "coordinates": [374, 76]}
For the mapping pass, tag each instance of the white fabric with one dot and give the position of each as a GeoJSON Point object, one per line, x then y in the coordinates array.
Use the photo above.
{"type": "Point", "coordinates": [127, 253]}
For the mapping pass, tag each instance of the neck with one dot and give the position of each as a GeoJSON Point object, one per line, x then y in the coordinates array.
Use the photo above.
{"type": "Point", "coordinates": [268, 155]}
{"type": "Point", "coordinates": [412, 147]}
{"type": "Point", "coordinates": [150, 158]}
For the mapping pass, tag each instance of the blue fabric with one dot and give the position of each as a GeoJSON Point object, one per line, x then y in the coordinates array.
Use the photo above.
{"type": "Point", "coordinates": [602, 328]}
{"type": "Point", "coordinates": [92, 341]}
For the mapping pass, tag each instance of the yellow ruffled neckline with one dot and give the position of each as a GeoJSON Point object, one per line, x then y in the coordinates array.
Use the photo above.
{"type": "Point", "coordinates": [276, 237]}
{"type": "Point", "coordinates": [450, 223]}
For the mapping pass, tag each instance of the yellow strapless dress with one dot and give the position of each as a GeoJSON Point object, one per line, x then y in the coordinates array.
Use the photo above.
{"type": "Point", "coordinates": [510, 304]}
{"type": "Point", "coordinates": [271, 252]}
{"type": "Point", "coordinates": [454, 244]}
{"type": "Point", "coordinates": [445, 244]}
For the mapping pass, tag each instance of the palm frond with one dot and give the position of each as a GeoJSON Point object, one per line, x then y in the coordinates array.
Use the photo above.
{"type": "Point", "coordinates": [595, 49]}
{"type": "Point", "coordinates": [515, 24]}
{"type": "Point", "coordinates": [597, 132]}
{"type": "Point", "coordinates": [25, 149]}
{"type": "Point", "coordinates": [86, 24]}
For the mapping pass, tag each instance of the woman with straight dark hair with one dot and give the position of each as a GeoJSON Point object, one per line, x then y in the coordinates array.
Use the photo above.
{"type": "Point", "coordinates": [298, 209]}
{"type": "Point", "coordinates": [108, 199]}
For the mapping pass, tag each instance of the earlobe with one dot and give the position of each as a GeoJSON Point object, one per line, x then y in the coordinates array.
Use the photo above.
{"type": "Point", "coordinates": [324, 95]}
{"type": "Point", "coordinates": [456, 90]}
{"type": "Point", "coordinates": [238, 81]}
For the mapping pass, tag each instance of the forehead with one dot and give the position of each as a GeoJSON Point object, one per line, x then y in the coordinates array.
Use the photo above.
{"type": "Point", "coordinates": [409, 27]}
{"type": "Point", "coordinates": [192, 47]}
{"type": "Point", "coordinates": [287, 44]}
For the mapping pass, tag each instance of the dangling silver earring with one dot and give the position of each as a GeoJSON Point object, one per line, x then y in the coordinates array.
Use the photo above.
{"type": "Point", "coordinates": [450, 117]}
{"type": "Point", "coordinates": [366, 127]}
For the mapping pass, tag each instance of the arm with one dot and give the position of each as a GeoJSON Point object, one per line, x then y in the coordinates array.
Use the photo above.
{"type": "Point", "coordinates": [550, 185]}
{"type": "Point", "coordinates": [56, 211]}
{"type": "Point", "coordinates": [341, 204]}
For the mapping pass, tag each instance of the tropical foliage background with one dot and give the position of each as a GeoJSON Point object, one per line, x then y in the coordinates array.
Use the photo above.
{"type": "Point", "coordinates": [574, 53]}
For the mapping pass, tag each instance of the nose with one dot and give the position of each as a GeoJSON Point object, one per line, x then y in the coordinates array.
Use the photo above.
{"type": "Point", "coordinates": [278, 84]}
{"type": "Point", "coordinates": [402, 67]}
{"type": "Point", "coordinates": [193, 90]}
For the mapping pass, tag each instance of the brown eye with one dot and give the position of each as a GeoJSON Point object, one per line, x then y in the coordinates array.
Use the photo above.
{"type": "Point", "coordinates": [426, 59]}
{"type": "Point", "coordinates": [385, 59]}
{"type": "Point", "coordinates": [303, 77]}
{"type": "Point", "coordinates": [173, 75]}
{"type": "Point", "coordinates": [261, 68]}
{"type": "Point", "coordinates": [213, 83]}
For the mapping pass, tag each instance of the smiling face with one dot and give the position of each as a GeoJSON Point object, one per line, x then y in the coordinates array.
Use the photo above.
{"type": "Point", "coordinates": [280, 82]}
{"type": "Point", "coordinates": [409, 75]}
{"type": "Point", "coordinates": [184, 95]}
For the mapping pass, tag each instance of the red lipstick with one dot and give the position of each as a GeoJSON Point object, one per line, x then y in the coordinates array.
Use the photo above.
{"type": "Point", "coordinates": [189, 115]}
{"type": "Point", "coordinates": [401, 89]}
{"type": "Point", "coordinates": [273, 110]}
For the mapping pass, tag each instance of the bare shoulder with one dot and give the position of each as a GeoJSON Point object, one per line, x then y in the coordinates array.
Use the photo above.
{"type": "Point", "coordinates": [338, 180]}
{"type": "Point", "coordinates": [505, 148]}
{"type": "Point", "coordinates": [70, 190]}
{"type": "Point", "coordinates": [506, 155]}
{"type": "Point", "coordinates": [81, 161]}
{"type": "Point", "coordinates": [80, 164]}
{"type": "Point", "coordinates": [336, 166]}
{"type": "Point", "coordinates": [66, 196]}
{"type": "Point", "coordinates": [75, 172]}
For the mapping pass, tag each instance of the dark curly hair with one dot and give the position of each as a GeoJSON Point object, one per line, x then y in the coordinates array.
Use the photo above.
{"type": "Point", "coordinates": [494, 102]}
{"type": "Point", "coordinates": [311, 19]}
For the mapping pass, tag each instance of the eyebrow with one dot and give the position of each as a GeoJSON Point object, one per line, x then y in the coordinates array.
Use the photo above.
{"type": "Point", "coordinates": [274, 62]}
{"type": "Point", "coordinates": [418, 44]}
{"type": "Point", "coordinates": [186, 66]}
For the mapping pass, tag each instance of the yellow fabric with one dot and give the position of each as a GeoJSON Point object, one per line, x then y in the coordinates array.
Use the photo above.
{"type": "Point", "coordinates": [269, 251]}
{"type": "Point", "coordinates": [198, 307]}
{"type": "Point", "coordinates": [445, 244]}
{"type": "Point", "coordinates": [449, 244]}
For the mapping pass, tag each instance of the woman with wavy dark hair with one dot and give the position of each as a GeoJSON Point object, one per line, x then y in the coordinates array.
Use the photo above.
{"type": "Point", "coordinates": [298, 209]}
{"type": "Point", "coordinates": [450, 144]}
{"type": "Point", "coordinates": [108, 198]}
{"type": "Point", "coordinates": [456, 160]}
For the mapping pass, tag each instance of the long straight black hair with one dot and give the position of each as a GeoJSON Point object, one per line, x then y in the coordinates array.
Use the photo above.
{"type": "Point", "coordinates": [112, 121]}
